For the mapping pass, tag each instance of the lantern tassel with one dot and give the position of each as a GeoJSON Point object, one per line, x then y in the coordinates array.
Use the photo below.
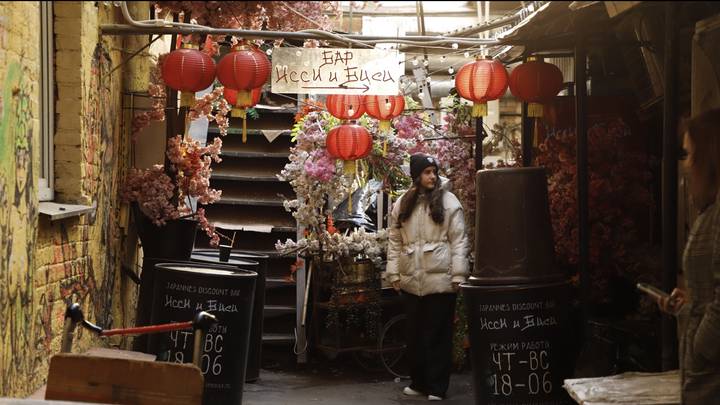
{"type": "Point", "coordinates": [384, 125]}
{"type": "Point", "coordinates": [242, 113]}
{"type": "Point", "coordinates": [350, 195]}
{"type": "Point", "coordinates": [244, 135]}
{"type": "Point", "coordinates": [349, 169]}
{"type": "Point", "coordinates": [536, 132]}
{"type": "Point", "coordinates": [244, 98]}
{"type": "Point", "coordinates": [535, 110]}
{"type": "Point", "coordinates": [187, 99]}
{"type": "Point", "coordinates": [479, 110]}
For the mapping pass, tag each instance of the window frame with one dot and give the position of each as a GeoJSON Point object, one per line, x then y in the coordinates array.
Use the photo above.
{"type": "Point", "coordinates": [46, 180]}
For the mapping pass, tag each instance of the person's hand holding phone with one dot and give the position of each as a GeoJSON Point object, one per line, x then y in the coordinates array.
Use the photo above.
{"type": "Point", "coordinates": [674, 302]}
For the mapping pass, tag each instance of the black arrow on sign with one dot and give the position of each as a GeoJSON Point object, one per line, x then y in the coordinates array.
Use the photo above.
{"type": "Point", "coordinates": [365, 87]}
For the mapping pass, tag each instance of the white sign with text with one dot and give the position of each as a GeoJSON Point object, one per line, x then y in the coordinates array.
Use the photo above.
{"type": "Point", "coordinates": [336, 71]}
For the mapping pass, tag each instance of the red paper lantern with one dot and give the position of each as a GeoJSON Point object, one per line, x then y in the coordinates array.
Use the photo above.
{"type": "Point", "coordinates": [244, 69]}
{"type": "Point", "coordinates": [188, 71]}
{"type": "Point", "coordinates": [384, 108]}
{"type": "Point", "coordinates": [481, 81]}
{"type": "Point", "coordinates": [536, 82]}
{"type": "Point", "coordinates": [238, 107]}
{"type": "Point", "coordinates": [349, 142]}
{"type": "Point", "coordinates": [346, 106]}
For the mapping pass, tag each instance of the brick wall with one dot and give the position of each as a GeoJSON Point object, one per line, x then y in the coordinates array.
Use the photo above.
{"type": "Point", "coordinates": [45, 265]}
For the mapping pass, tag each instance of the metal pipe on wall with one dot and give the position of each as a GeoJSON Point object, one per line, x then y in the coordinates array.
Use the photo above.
{"type": "Point", "coordinates": [479, 136]}
{"type": "Point", "coordinates": [669, 185]}
{"type": "Point", "coordinates": [527, 136]}
{"type": "Point", "coordinates": [527, 133]}
{"type": "Point", "coordinates": [582, 174]}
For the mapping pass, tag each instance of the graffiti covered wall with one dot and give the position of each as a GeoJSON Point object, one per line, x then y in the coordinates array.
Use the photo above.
{"type": "Point", "coordinates": [19, 137]}
{"type": "Point", "coordinates": [46, 265]}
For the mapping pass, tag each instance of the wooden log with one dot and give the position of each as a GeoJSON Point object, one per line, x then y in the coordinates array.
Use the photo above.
{"type": "Point", "coordinates": [76, 377]}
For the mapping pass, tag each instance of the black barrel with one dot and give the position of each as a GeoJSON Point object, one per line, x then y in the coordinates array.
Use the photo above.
{"type": "Point", "coordinates": [520, 339]}
{"type": "Point", "coordinates": [514, 240]}
{"type": "Point", "coordinates": [256, 331]}
{"type": "Point", "coordinates": [517, 299]}
{"type": "Point", "coordinates": [183, 289]}
{"type": "Point", "coordinates": [145, 298]}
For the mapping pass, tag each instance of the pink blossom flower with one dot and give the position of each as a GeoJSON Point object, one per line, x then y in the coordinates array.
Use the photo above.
{"type": "Point", "coordinates": [320, 165]}
{"type": "Point", "coordinates": [155, 190]}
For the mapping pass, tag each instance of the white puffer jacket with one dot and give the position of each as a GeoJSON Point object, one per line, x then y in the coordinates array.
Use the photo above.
{"type": "Point", "coordinates": [424, 256]}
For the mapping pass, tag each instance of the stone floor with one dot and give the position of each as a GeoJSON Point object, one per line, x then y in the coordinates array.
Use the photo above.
{"type": "Point", "coordinates": [341, 381]}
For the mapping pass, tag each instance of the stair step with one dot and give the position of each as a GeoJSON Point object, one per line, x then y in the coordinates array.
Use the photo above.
{"type": "Point", "coordinates": [278, 310]}
{"type": "Point", "coordinates": [237, 131]}
{"type": "Point", "coordinates": [265, 191]}
{"type": "Point", "coordinates": [278, 338]}
{"type": "Point", "coordinates": [255, 174]}
{"type": "Point", "coordinates": [234, 195]}
{"type": "Point", "coordinates": [256, 146]}
{"type": "Point", "coordinates": [253, 242]}
{"type": "Point", "coordinates": [272, 282]}
{"type": "Point", "coordinates": [250, 201]}
{"type": "Point", "coordinates": [258, 219]}
{"type": "Point", "coordinates": [287, 107]}
{"type": "Point", "coordinates": [255, 154]}
{"type": "Point", "coordinates": [248, 169]}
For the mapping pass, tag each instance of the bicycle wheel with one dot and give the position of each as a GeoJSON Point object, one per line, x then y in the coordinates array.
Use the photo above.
{"type": "Point", "coordinates": [391, 347]}
{"type": "Point", "coordinates": [368, 360]}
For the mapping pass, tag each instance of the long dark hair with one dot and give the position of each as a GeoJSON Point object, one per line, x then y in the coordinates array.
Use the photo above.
{"type": "Point", "coordinates": [703, 161]}
{"type": "Point", "coordinates": [409, 201]}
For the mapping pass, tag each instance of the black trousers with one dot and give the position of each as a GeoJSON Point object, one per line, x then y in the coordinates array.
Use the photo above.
{"type": "Point", "coordinates": [429, 341]}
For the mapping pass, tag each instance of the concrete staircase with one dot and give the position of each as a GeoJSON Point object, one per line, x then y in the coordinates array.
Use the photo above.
{"type": "Point", "coordinates": [252, 205]}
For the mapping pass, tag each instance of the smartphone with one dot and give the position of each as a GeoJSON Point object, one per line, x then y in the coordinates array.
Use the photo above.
{"type": "Point", "coordinates": [652, 291]}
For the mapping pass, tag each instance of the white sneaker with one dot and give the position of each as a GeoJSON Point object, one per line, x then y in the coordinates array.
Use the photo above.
{"type": "Point", "coordinates": [434, 398]}
{"type": "Point", "coordinates": [411, 392]}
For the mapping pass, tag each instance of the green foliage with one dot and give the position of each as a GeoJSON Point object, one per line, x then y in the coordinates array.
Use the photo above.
{"type": "Point", "coordinates": [252, 113]}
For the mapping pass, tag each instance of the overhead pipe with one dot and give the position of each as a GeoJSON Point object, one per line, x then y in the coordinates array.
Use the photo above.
{"type": "Point", "coordinates": [157, 26]}
{"type": "Point", "coordinates": [124, 29]}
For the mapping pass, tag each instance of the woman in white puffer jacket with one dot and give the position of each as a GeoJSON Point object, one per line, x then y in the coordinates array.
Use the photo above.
{"type": "Point", "coordinates": [427, 260]}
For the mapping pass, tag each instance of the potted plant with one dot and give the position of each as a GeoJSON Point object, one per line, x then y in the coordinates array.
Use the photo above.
{"type": "Point", "coordinates": [166, 198]}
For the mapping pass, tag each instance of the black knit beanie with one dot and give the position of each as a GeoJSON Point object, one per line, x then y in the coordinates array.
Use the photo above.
{"type": "Point", "coordinates": [419, 162]}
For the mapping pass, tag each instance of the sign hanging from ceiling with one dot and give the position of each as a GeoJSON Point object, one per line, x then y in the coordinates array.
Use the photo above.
{"type": "Point", "coordinates": [336, 71]}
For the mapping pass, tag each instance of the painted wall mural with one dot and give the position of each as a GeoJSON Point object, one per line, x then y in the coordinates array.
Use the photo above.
{"type": "Point", "coordinates": [100, 149]}
{"type": "Point", "coordinates": [17, 234]}
{"type": "Point", "coordinates": [46, 265]}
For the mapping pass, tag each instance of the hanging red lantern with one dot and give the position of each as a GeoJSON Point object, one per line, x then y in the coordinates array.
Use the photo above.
{"type": "Point", "coordinates": [188, 71]}
{"type": "Point", "coordinates": [243, 69]}
{"type": "Point", "coordinates": [231, 97]}
{"type": "Point", "coordinates": [536, 82]}
{"type": "Point", "coordinates": [346, 106]}
{"type": "Point", "coordinates": [384, 108]}
{"type": "Point", "coordinates": [481, 81]}
{"type": "Point", "coordinates": [239, 109]}
{"type": "Point", "coordinates": [349, 142]}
